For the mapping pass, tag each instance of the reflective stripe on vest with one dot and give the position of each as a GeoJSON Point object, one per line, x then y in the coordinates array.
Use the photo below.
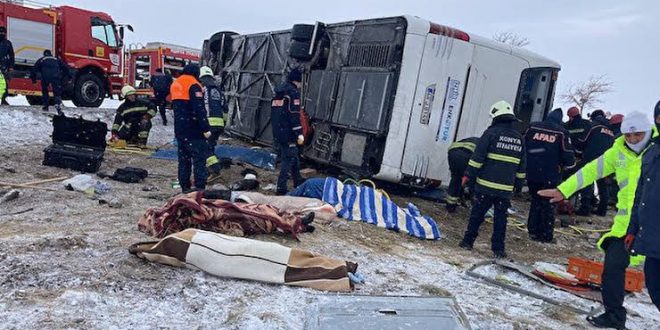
{"type": "Point", "coordinates": [467, 145]}
{"type": "Point", "coordinates": [216, 121]}
{"type": "Point", "coordinates": [475, 164]}
{"type": "Point", "coordinates": [493, 185]}
{"type": "Point", "coordinates": [503, 158]}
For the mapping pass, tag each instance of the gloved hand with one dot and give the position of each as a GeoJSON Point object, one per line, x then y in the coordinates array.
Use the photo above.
{"type": "Point", "coordinates": [628, 242]}
{"type": "Point", "coordinates": [301, 139]}
{"type": "Point", "coordinates": [114, 137]}
{"type": "Point", "coordinates": [464, 181]}
{"type": "Point", "coordinates": [207, 135]}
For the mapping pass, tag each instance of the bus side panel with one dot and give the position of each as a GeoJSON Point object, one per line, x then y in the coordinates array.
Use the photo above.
{"type": "Point", "coordinates": [437, 107]}
{"type": "Point", "coordinates": [494, 76]}
{"type": "Point", "coordinates": [390, 168]}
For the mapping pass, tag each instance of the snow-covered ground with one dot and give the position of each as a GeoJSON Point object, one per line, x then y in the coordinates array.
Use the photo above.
{"type": "Point", "coordinates": [65, 265]}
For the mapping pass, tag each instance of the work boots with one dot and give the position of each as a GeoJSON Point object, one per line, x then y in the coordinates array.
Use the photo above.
{"type": "Point", "coordinates": [451, 208]}
{"type": "Point", "coordinates": [500, 254]}
{"type": "Point", "coordinates": [465, 245]}
{"type": "Point", "coordinates": [606, 321]}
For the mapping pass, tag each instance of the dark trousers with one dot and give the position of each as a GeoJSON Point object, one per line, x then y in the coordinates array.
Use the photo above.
{"type": "Point", "coordinates": [652, 277]}
{"type": "Point", "coordinates": [212, 162]}
{"type": "Point", "coordinates": [290, 164]}
{"type": "Point", "coordinates": [192, 158]}
{"type": "Point", "coordinates": [161, 102]}
{"type": "Point", "coordinates": [614, 278]}
{"type": "Point", "coordinates": [587, 196]}
{"type": "Point", "coordinates": [454, 190]}
{"type": "Point", "coordinates": [541, 220]}
{"type": "Point", "coordinates": [481, 203]}
{"type": "Point", "coordinates": [57, 92]}
{"type": "Point", "coordinates": [136, 132]}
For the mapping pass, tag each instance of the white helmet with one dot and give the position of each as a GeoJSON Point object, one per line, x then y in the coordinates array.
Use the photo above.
{"type": "Point", "coordinates": [127, 90]}
{"type": "Point", "coordinates": [205, 71]}
{"type": "Point", "coordinates": [501, 108]}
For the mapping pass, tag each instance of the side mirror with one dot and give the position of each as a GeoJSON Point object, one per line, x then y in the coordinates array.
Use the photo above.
{"type": "Point", "coordinates": [121, 32]}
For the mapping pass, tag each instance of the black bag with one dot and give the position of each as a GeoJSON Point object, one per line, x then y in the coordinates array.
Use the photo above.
{"type": "Point", "coordinates": [78, 144]}
{"type": "Point", "coordinates": [130, 174]}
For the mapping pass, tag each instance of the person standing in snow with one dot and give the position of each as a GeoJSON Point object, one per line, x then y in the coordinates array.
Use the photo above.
{"type": "Point", "coordinates": [287, 130]}
{"type": "Point", "coordinates": [191, 128]}
{"type": "Point", "coordinates": [54, 73]}
{"type": "Point", "coordinates": [644, 228]}
{"type": "Point", "coordinates": [548, 152]}
{"type": "Point", "coordinates": [215, 110]}
{"type": "Point", "coordinates": [624, 159]}
{"type": "Point", "coordinates": [7, 61]}
{"type": "Point", "coordinates": [496, 168]}
{"type": "Point", "coordinates": [161, 83]}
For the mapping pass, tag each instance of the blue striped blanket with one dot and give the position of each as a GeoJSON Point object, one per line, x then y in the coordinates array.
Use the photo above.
{"type": "Point", "coordinates": [360, 203]}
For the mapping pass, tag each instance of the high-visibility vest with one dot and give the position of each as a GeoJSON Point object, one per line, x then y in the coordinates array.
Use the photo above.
{"type": "Point", "coordinates": [627, 167]}
{"type": "Point", "coordinates": [180, 89]}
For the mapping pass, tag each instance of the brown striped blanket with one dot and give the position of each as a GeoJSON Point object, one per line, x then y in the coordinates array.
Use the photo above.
{"type": "Point", "coordinates": [242, 258]}
{"type": "Point", "coordinates": [193, 211]}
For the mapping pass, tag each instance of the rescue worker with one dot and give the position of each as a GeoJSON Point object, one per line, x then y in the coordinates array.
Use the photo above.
{"type": "Point", "coordinates": [615, 124]}
{"type": "Point", "coordinates": [6, 61]}
{"type": "Point", "coordinates": [596, 141]}
{"type": "Point", "coordinates": [133, 119]}
{"type": "Point", "coordinates": [191, 128]}
{"type": "Point", "coordinates": [161, 83]}
{"type": "Point", "coordinates": [287, 130]}
{"type": "Point", "coordinates": [53, 72]}
{"type": "Point", "coordinates": [577, 127]}
{"type": "Point", "coordinates": [624, 159]}
{"type": "Point", "coordinates": [215, 109]}
{"type": "Point", "coordinates": [548, 152]}
{"type": "Point", "coordinates": [644, 228]}
{"type": "Point", "coordinates": [496, 168]}
{"type": "Point", "coordinates": [458, 157]}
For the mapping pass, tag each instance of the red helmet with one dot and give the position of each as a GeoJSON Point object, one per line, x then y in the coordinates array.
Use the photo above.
{"type": "Point", "coordinates": [573, 112]}
{"type": "Point", "coordinates": [616, 119]}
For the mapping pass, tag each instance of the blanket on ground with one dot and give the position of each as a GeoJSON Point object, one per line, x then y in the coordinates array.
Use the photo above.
{"type": "Point", "coordinates": [193, 211]}
{"type": "Point", "coordinates": [360, 203]}
{"type": "Point", "coordinates": [248, 259]}
{"type": "Point", "coordinates": [295, 205]}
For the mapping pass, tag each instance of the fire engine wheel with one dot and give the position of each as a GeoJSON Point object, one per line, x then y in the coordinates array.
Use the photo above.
{"type": "Point", "coordinates": [88, 91]}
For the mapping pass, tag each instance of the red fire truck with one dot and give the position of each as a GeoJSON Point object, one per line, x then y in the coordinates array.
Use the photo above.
{"type": "Point", "coordinates": [89, 42]}
{"type": "Point", "coordinates": [142, 63]}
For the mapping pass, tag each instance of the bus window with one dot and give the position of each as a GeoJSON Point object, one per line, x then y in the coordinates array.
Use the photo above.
{"type": "Point", "coordinates": [535, 95]}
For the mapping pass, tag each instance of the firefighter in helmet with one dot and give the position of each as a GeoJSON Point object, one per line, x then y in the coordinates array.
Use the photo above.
{"type": "Point", "coordinates": [133, 119]}
{"type": "Point", "coordinates": [215, 109]}
{"type": "Point", "coordinates": [496, 169]}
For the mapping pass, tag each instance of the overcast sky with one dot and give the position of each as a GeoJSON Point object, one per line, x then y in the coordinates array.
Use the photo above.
{"type": "Point", "coordinates": [619, 39]}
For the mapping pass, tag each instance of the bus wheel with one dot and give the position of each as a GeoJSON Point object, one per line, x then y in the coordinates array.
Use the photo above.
{"type": "Point", "coordinates": [89, 91]}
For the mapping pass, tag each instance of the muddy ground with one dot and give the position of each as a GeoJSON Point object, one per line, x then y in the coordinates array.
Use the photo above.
{"type": "Point", "coordinates": [64, 264]}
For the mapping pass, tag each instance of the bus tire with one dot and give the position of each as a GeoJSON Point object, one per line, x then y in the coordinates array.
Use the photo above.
{"type": "Point", "coordinates": [89, 91]}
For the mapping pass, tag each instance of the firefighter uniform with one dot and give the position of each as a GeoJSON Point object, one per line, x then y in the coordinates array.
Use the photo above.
{"type": "Point", "coordinates": [626, 164]}
{"type": "Point", "coordinates": [596, 141]}
{"type": "Point", "coordinates": [214, 105]}
{"type": "Point", "coordinates": [548, 151]}
{"type": "Point", "coordinates": [458, 157]}
{"type": "Point", "coordinates": [191, 128]}
{"type": "Point", "coordinates": [7, 61]}
{"type": "Point", "coordinates": [287, 130]}
{"type": "Point", "coordinates": [133, 121]}
{"type": "Point", "coordinates": [161, 83]}
{"type": "Point", "coordinates": [577, 128]}
{"type": "Point", "coordinates": [54, 73]}
{"type": "Point", "coordinates": [495, 170]}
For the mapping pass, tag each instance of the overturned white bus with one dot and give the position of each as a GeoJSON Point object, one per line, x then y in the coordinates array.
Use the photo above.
{"type": "Point", "coordinates": [386, 96]}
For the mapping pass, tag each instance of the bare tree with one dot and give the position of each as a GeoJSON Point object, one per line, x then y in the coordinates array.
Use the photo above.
{"type": "Point", "coordinates": [511, 38]}
{"type": "Point", "coordinates": [587, 94]}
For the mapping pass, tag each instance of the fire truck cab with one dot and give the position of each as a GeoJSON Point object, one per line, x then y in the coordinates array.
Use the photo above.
{"type": "Point", "coordinates": [143, 63]}
{"type": "Point", "coordinates": [90, 43]}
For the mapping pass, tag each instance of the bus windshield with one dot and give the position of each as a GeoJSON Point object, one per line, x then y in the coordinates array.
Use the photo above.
{"type": "Point", "coordinates": [535, 94]}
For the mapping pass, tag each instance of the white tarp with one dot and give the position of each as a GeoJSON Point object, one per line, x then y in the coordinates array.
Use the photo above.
{"type": "Point", "coordinates": [30, 39]}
